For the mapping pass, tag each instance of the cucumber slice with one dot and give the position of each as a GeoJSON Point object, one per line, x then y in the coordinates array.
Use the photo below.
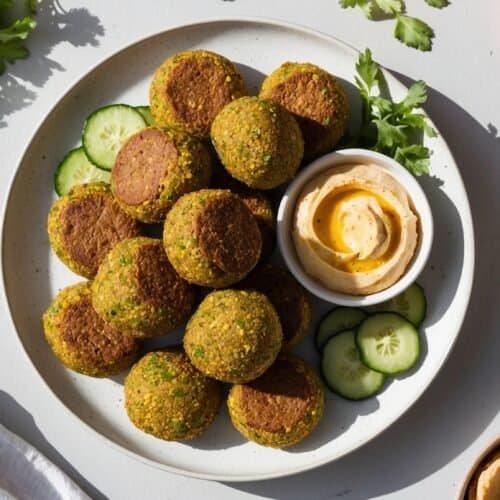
{"type": "Point", "coordinates": [146, 114]}
{"type": "Point", "coordinates": [341, 318]}
{"type": "Point", "coordinates": [75, 168]}
{"type": "Point", "coordinates": [411, 304]}
{"type": "Point", "coordinates": [343, 371]}
{"type": "Point", "coordinates": [388, 343]}
{"type": "Point", "coordinates": [106, 130]}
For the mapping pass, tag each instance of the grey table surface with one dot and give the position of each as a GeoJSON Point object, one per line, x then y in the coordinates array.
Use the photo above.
{"type": "Point", "coordinates": [427, 452]}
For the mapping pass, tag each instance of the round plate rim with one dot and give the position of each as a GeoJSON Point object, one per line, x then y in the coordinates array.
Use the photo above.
{"type": "Point", "coordinates": [208, 476]}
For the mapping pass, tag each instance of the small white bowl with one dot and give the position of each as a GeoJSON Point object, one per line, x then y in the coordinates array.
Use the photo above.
{"type": "Point", "coordinates": [462, 494]}
{"type": "Point", "coordinates": [420, 205]}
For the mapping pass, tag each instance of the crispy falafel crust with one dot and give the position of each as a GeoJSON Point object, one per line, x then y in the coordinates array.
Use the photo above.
{"type": "Point", "coordinates": [281, 407]}
{"type": "Point", "coordinates": [181, 239]}
{"type": "Point", "coordinates": [167, 397]}
{"type": "Point", "coordinates": [258, 141]}
{"type": "Point", "coordinates": [289, 298]}
{"type": "Point", "coordinates": [233, 336]}
{"type": "Point", "coordinates": [85, 224]}
{"type": "Point", "coordinates": [316, 99]}
{"type": "Point", "coordinates": [138, 291]}
{"type": "Point", "coordinates": [154, 168]}
{"type": "Point", "coordinates": [228, 234]}
{"type": "Point", "coordinates": [81, 340]}
{"type": "Point", "coordinates": [190, 88]}
{"type": "Point", "coordinates": [260, 206]}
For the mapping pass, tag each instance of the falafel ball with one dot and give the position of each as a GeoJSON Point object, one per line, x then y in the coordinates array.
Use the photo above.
{"type": "Point", "coordinates": [154, 168]}
{"type": "Point", "coordinates": [167, 397]}
{"type": "Point", "coordinates": [81, 340]}
{"type": "Point", "coordinates": [211, 238]}
{"type": "Point", "coordinates": [281, 407]}
{"type": "Point", "coordinates": [190, 88]}
{"type": "Point", "coordinates": [85, 224]}
{"type": "Point", "coordinates": [138, 291]}
{"type": "Point", "coordinates": [258, 142]}
{"type": "Point", "coordinates": [288, 297]}
{"type": "Point", "coordinates": [233, 336]}
{"type": "Point", "coordinates": [260, 206]}
{"type": "Point", "coordinates": [317, 100]}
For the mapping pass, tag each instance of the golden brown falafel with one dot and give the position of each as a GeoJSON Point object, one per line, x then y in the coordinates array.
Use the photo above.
{"type": "Point", "coordinates": [154, 168]}
{"type": "Point", "coordinates": [167, 397]}
{"type": "Point", "coordinates": [81, 340]}
{"type": "Point", "coordinates": [281, 407]}
{"type": "Point", "coordinates": [85, 224]}
{"type": "Point", "coordinates": [190, 88]}
{"type": "Point", "coordinates": [316, 99]}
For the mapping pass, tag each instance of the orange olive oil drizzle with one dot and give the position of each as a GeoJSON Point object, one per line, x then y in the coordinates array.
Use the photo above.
{"type": "Point", "coordinates": [328, 228]}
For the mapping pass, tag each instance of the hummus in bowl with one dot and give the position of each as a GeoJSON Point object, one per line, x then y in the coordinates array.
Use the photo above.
{"type": "Point", "coordinates": [355, 228]}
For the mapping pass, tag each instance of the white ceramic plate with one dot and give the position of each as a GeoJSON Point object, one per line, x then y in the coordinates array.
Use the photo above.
{"type": "Point", "coordinates": [33, 275]}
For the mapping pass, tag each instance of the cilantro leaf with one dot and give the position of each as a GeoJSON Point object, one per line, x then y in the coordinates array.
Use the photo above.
{"type": "Point", "coordinates": [417, 95]}
{"type": "Point", "coordinates": [390, 6]}
{"type": "Point", "coordinates": [12, 37]}
{"type": "Point", "coordinates": [389, 135]}
{"type": "Point", "coordinates": [413, 32]}
{"type": "Point", "coordinates": [439, 4]}
{"type": "Point", "coordinates": [10, 51]}
{"type": "Point", "coordinates": [17, 31]}
{"type": "Point", "coordinates": [416, 158]}
{"type": "Point", "coordinates": [365, 5]}
{"type": "Point", "coordinates": [367, 70]}
{"type": "Point", "coordinates": [391, 127]}
{"type": "Point", "coordinates": [419, 121]}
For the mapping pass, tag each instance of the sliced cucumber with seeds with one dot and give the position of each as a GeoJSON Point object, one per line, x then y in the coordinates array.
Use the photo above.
{"type": "Point", "coordinates": [146, 114]}
{"type": "Point", "coordinates": [388, 343]}
{"type": "Point", "coordinates": [343, 371]}
{"type": "Point", "coordinates": [75, 168]}
{"type": "Point", "coordinates": [341, 318]}
{"type": "Point", "coordinates": [106, 130]}
{"type": "Point", "coordinates": [411, 304]}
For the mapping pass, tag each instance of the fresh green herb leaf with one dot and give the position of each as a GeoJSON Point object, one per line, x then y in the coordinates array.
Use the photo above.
{"type": "Point", "coordinates": [390, 6]}
{"type": "Point", "coordinates": [419, 121]}
{"type": "Point", "coordinates": [414, 32]}
{"type": "Point", "coordinates": [415, 158]}
{"type": "Point", "coordinates": [10, 52]}
{"type": "Point", "coordinates": [390, 127]}
{"type": "Point", "coordinates": [12, 37]}
{"type": "Point", "coordinates": [389, 135]}
{"type": "Point", "coordinates": [365, 5]}
{"type": "Point", "coordinates": [17, 31]}
{"type": "Point", "coordinates": [345, 3]}
{"type": "Point", "coordinates": [408, 30]}
{"type": "Point", "coordinates": [417, 95]}
{"type": "Point", "coordinates": [367, 70]}
{"type": "Point", "coordinates": [439, 4]}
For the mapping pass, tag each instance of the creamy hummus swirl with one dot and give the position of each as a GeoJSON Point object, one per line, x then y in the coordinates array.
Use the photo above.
{"type": "Point", "coordinates": [354, 229]}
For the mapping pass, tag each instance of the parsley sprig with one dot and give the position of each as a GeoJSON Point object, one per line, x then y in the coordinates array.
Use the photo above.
{"type": "Point", "coordinates": [12, 37]}
{"type": "Point", "coordinates": [411, 31]}
{"type": "Point", "coordinates": [392, 128]}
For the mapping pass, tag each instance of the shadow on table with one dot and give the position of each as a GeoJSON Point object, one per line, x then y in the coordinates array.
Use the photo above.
{"type": "Point", "coordinates": [55, 25]}
{"type": "Point", "coordinates": [461, 402]}
{"type": "Point", "coordinates": [22, 423]}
